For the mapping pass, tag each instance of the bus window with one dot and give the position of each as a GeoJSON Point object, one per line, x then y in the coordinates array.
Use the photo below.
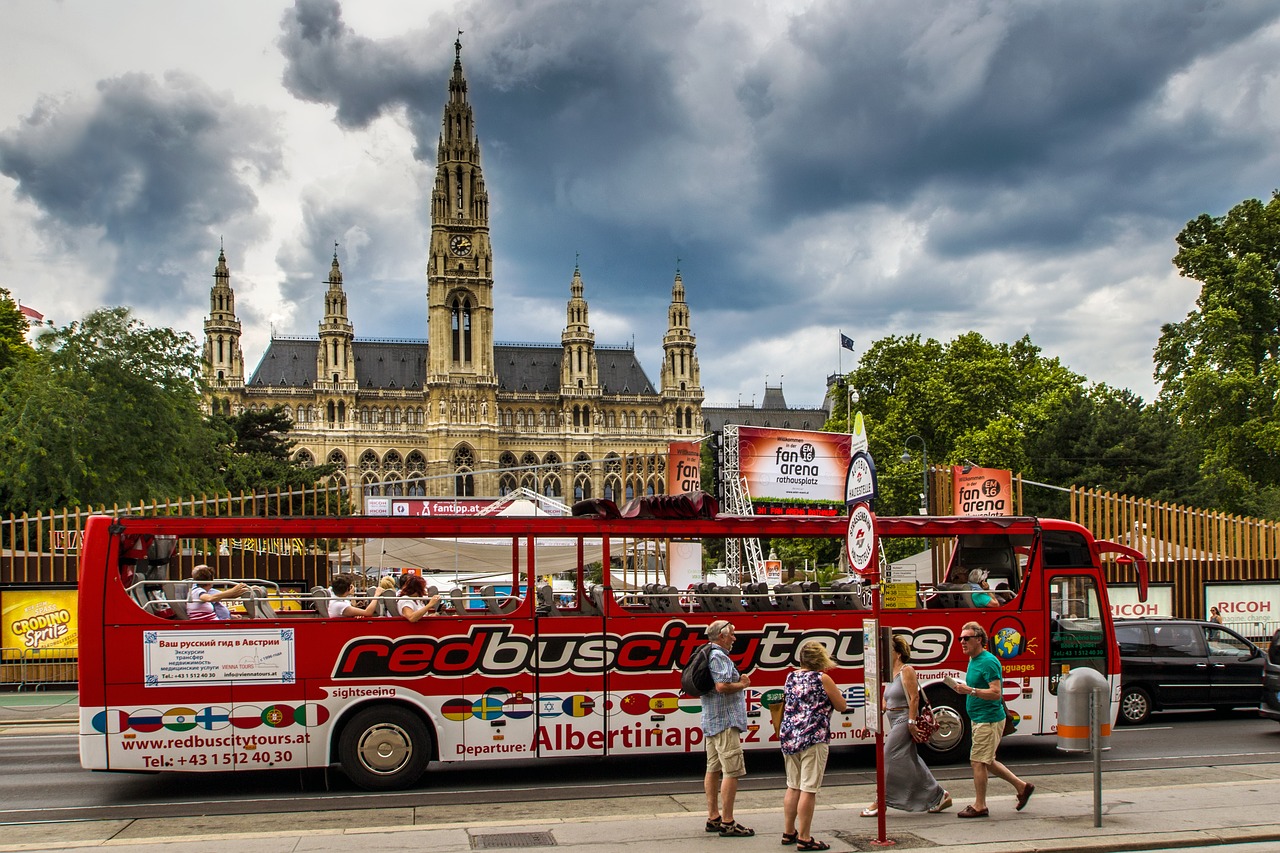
{"type": "Point", "coordinates": [1076, 635]}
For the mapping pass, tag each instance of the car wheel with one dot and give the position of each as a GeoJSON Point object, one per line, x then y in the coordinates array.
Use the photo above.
{"type": "Point", "coordinates": [384, 748]}
{"type": "Point", "coordinates": [1135, 706]}
{"type": "Point", "coordinates": [950, 743]}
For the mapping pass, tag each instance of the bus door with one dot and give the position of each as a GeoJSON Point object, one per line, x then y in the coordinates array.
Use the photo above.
{"type": "Point", "coordinates": [573, 651]}
{"type": "Point", "coordinates": [646, 712]}
{"type": "Point", "coordinates": [1077, 633]}
{"type": "Point", "coordinates": [497, 659]}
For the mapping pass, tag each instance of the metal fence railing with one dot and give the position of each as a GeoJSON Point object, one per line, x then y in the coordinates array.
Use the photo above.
{"type": "Point", "coordinates": [1258, 631]}
{"type": "Point", "coordinates": [37, 669]}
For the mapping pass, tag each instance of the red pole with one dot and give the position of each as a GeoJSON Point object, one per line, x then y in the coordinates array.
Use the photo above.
{"type": "Point", "coordinates": [882, 839]}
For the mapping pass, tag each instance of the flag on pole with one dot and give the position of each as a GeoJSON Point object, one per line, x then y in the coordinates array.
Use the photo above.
{"type": "Point", "coordinates": [846, 342]}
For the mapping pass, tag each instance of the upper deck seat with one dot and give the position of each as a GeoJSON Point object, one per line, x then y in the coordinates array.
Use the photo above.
{"type": "Point", "coordinates": [789, 597]}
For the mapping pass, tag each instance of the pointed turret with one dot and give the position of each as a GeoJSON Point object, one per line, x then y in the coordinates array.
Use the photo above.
{"type": "Point", "coordinates": [579, 371]}
{"type": "Point", "coordinates": [681, 379]}
{"type": "Point", "coordinates": [223, 359]}
{"type": "Point", "coordinates": [460, 267]}
{"type": "Point", "coordinates": [335, 359]}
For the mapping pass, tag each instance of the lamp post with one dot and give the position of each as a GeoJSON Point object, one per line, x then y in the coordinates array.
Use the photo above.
{"type": "Point", "coordinates": [924, 474]}
{"type": "Point", "coordinates": [851, 398]}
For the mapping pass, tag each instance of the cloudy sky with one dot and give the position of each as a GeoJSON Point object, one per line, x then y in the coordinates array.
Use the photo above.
{"type": "Point", "coordinates": [815, 165]}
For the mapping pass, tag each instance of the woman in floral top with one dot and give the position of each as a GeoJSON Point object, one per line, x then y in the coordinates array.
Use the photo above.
{"type": "Point", "coordinates": [809, 697]}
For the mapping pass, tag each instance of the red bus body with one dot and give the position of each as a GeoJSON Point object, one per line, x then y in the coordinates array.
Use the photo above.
{"type": "Point", "coordinates": [383, 697]}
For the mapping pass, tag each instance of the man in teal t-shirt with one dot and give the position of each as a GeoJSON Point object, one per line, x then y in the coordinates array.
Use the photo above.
{"type": "Point", "coordinates": [984, 703]}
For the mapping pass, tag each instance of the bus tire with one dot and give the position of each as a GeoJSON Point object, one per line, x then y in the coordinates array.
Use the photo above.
{"type": "Point", "coordinates": [1135, 706]}
{"type": "Point", "coordinates": [950, 743]}
{"type": "Point", "coordinates": [384, 748]}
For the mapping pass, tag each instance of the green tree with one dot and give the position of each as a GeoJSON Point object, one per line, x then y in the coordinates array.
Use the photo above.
{"type": "Point", "coordinates": [13, 332]}
{"type": "Point", "coordinates": [970, 399]}
{"type": "Point", "coordinates": [1218, 367]}
{"type": "Point", "coordinates": [258, 459]}
{"type": "Point", "coordinates": [1107, 438]}
{"type": "Point", "coordinates": [106, 411]}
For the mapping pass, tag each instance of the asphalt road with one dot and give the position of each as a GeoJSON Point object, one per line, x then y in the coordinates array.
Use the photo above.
{"type": "Point", "coordinates": [43, 780]}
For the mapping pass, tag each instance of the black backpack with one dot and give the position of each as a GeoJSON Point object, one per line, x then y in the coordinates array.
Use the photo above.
{"type": "Point", "coordinates": [696, 679]}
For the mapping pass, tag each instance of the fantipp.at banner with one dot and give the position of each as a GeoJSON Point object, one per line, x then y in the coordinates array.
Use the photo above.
{"type": "Point", "coordinates": [789, 464]}
{"type": "Point", "coordinates": [33, 619]}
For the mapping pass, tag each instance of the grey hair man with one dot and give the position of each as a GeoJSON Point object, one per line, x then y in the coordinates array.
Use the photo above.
{"type": "Point", "coordinates": [724, 719]}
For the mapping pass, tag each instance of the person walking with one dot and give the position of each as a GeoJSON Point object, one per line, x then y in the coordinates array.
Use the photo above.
{"type": "Point", "coordinates": [1215, 615]}
{"type": "Point", "coordinates": [724, 719]}
{"type": "Point", "coordinates": [909, 784]}
{"type": "Point", "coordinates": [809, 697]}
{"type": "Point", "coordinates": [984, 704]}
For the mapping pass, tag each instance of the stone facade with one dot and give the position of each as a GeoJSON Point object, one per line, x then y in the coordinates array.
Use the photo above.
{"type": "Point", "coordinates": [458, 414]}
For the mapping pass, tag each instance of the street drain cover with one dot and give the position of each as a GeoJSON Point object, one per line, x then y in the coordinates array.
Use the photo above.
{"type": "Point", "coordinates": [509, 840]}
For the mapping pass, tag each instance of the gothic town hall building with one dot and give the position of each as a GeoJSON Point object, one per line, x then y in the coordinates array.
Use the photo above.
{"type": "Point", "coordinates": [457, 414]}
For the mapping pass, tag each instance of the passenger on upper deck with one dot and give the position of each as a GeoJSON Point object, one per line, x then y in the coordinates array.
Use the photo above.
{"type": "Point", "coordinates": [341, 606]}
{"type": "Point", "coordinates": [411, 604]}
{"type": "Point", "coordinates": [982, 598]}
{"type": "Point", "coordinates": [203, 602]}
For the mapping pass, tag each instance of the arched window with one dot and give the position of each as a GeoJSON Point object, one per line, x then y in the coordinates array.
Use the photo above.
{"type": "Point", "coordinates": [464, 482]}
{"type": "Point", "coordinates": [460, 325]}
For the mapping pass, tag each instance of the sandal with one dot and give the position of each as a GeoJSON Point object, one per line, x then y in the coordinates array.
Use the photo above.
{"type": "Point", "coordinates": [714, 824]}
{"type": "Point", "coordinates": [735, 830]}
{"type": "Point", "coordinates": [943, 804]}
{"type": "Point", "coordinates": [812, 844]}
{"type": "Point", "coordinates": [790, 837]}
{"type": "Point", "coordinates": [870, 811]}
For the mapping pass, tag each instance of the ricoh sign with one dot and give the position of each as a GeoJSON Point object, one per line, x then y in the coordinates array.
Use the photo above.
{"type": "Point", "coordinates": [1252, 602]}
{"type": "Point", "coordinates": [1124, 601]}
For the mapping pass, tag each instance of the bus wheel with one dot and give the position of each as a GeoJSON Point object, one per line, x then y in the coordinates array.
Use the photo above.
{"type": "Point", "coordinates": [384, 748]}
{"type": "Point", "coordinates": [1135, 706]}
{"type": "Point", "coordinates": [950, 743]}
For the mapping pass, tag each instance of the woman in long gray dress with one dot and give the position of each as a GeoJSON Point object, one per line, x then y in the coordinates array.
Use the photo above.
{"type": "Point", "coordinates": [908, 783]}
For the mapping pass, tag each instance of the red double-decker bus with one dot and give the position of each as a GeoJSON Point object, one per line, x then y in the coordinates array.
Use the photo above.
{"type": "Point", "coordinates": [515, 668]}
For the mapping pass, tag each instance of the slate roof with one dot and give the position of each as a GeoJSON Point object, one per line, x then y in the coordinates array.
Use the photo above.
{"type": "Point", "coordinates": [528, 368]}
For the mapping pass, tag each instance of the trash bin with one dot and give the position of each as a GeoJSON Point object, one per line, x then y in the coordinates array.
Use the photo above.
{"type": "Point", "coordinates": [1075, 692]}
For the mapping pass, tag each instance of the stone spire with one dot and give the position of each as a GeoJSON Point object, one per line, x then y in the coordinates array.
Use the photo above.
{"type": "Point", "coordinates": [579, 370]}
{"type": "Point", "coordinates": [681, 379]}
{"type": "Point", "coordinates": [335, 359]}
{"type": "Point", "coordinates": [223, 359]}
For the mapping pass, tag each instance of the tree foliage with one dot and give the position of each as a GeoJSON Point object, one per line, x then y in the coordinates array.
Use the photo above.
{"type": "Point", "coordinates": [258, 458]}
{"type": "Point", "coordinates": [970, 399]}
{"type": "Point", "coordinates": [1218, 368]}
{"type": "Point", "coordinates": [106, 411]}
{"type": "Point", "coordinates": [13, 333]}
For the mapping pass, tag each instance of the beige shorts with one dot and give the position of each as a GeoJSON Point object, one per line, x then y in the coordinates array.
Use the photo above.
{"type": "Point", "coordinates": [806, 767]}
{"type": "Point", "coordinates": [986, 740]}
{"type": "Point", "coordinates": [724, 753]}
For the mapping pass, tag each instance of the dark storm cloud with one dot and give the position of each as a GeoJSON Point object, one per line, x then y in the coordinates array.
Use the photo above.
{"type": "Point", "coordinates": [590, 92]}
{"type": "Point", "coordinates": [154, 166]}
{"type": "Point", "coordinates": [918, 161]}
{"type": "Point", "coordinates": [997, 97]}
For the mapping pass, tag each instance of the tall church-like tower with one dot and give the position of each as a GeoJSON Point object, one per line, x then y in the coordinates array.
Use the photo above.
{"type": "Point", "coordinates": [460, 262]}
{"type": "Point", "coordinates": [681, 380]}
{"type": "Point", "coordinates": [223, 358]}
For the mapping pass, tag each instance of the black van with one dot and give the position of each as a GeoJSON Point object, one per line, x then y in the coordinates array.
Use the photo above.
{"type": "Point", "coordinates": [1269, 707]}
{"type": "Point", "coordinates": [1185, 663]}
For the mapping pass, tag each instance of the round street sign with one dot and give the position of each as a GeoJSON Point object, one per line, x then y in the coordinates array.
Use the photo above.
{"type": "Point", "coordinates": [861, 541]}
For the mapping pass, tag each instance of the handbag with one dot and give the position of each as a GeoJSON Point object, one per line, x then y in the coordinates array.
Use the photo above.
{"type": "Point", "coordinates": [926, 725]}
{"type": "Point", "coordinates": [1010, 723]}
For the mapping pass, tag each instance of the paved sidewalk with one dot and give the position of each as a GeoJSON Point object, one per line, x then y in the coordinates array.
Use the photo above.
{"type": "Point", "coordinates": [1142, 810]}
